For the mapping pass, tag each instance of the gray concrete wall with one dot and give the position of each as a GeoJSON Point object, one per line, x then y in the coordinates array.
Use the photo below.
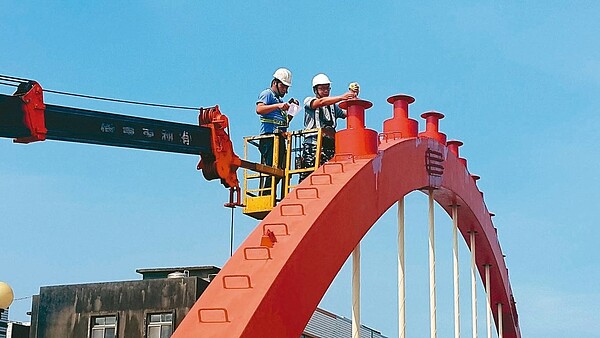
{"type": "Point", "coordinates": [65, 311]}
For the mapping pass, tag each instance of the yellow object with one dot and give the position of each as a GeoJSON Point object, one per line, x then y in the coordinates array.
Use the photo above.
{"type": "Point", "coordinates": [258, 206]}
{"type": "Point", "coordinates": [260, 198]}
{"type": "Point", "coordinates": [354, 87]}
{"type": "Point", "coordinates": [6, 295]}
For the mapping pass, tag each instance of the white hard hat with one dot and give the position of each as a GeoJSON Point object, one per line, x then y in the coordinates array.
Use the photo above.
{"type": "Point", "coordinates": [320, 79]}
{"type": "Point", "coordinates": [284, 75]}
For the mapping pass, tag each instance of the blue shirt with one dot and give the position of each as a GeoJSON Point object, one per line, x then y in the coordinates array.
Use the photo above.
{"type": "Point", "coordinates": [275, 121]}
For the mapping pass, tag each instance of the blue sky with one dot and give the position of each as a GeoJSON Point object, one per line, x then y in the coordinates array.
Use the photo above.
{"type": "Point", "coordinates": [517, 81]}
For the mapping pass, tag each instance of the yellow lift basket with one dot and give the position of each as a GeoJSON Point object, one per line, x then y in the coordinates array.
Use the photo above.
{"type": "Point", "coordinates": [262, 191]}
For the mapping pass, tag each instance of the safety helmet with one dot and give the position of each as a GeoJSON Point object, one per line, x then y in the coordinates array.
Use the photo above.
{"type": "Point", "coordinates": [284, 75]}
{"type": "Point", "coordinates": [320, 79]}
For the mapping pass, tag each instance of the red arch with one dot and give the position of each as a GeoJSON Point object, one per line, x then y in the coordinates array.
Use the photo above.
{"type": "Point", "coordinates": [272, 292]}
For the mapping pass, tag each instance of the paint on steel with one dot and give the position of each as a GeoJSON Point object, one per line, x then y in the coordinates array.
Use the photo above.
{"type": "Point", "coordinates": [282, 287]}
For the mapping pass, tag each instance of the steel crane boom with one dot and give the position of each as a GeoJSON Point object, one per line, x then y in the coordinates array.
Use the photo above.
{"type": "Point", "coordinates": [26, 118]}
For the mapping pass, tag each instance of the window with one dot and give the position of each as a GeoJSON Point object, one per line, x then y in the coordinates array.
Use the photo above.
{"type": "Point", "coordinates": [104, 327]}
{"type": "Point", "coordinates": [160, 325]}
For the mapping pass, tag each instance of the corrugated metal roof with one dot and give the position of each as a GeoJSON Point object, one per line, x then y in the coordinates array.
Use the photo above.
{"type": "Point", "coordinates": [324, 324]}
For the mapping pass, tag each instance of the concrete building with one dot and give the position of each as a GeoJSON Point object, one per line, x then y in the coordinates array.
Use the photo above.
{"type": "Point", "coordinates": [149, 308]}
{"type": "Point", "coordinates": [17, 330]}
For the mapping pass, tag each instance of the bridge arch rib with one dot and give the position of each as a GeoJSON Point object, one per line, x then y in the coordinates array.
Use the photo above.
{"type": "Point", "coordinates": [273, 291]}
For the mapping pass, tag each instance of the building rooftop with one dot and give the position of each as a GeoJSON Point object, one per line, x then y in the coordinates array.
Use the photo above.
{"type": "Point", "coordinates": [205, 272]}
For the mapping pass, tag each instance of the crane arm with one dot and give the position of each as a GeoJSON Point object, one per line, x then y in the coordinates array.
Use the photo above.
{"type": "Point", "coordinates": [26, 118]}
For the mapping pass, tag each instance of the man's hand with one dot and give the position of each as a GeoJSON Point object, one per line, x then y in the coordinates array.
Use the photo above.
{"type": "Point", "coordinates": [284, 106]}
{"type": "Point", "coordinates": [349, 95]}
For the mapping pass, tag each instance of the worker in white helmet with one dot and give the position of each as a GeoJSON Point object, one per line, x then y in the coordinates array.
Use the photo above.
{"type": "Point", "coordinates": [321, 111]}
{"type": "Point", "coordinates": [274, 118]}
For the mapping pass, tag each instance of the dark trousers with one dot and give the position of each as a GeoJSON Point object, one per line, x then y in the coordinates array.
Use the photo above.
{"type": "Point", "coordinates": [265, 147]}
{"type": "Point", "coordinates": [309, 154]}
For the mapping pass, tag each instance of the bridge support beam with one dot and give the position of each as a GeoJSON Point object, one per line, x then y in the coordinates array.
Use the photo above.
{"type": "Point", "coordinates": [473, 285]}
{"type": "Point", "coordinates": [356, 292]}
{"type": "Point", "coordinates": [401, 272]}
{"type": "Point", "coordinates": [432, 303]}
{"type": "Point", "coordinates": [500, 324]}
{"type": "Point", "coordinates": [488, 312]}
{"type": "Point", "coordinates": [455, 271]}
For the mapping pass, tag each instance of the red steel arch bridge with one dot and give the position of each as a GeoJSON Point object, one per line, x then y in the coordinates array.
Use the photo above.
{"type": "Point", "coordinates": [322, 219]}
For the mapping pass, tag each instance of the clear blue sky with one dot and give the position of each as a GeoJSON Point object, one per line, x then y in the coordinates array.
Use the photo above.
{"type": "Point", "coordinates": [518, 82]}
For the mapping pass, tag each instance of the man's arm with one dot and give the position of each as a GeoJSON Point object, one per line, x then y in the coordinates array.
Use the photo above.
{"type": "Point", "coordinates": [262, 108]}
{"type": "Point", "coordinates": [325, 101]}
